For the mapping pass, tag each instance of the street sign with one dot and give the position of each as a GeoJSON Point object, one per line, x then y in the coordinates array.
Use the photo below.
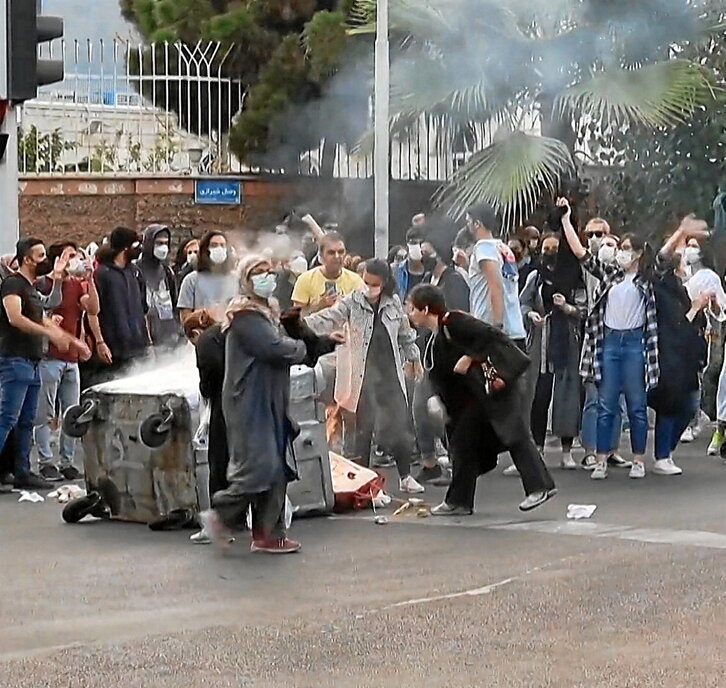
{"type": "Point", "coordinates": [217, 192]}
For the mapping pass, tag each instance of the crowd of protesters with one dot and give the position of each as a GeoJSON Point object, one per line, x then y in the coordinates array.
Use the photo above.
{"type": "Point", "coordinates": [457, 349]}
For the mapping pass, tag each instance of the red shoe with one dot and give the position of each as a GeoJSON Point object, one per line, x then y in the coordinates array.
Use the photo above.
{"type": "Point", "coordinates": [275, 546]}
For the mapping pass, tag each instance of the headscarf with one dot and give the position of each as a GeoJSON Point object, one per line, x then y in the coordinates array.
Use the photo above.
{"type": "Point", "coordinates": [246, 301]}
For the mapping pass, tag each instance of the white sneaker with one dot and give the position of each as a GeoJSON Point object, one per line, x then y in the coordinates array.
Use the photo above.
{"type": "Point", "coordinates": [567, 463]}
{"type": "Point", "coordinates": [638, 470]}
{"type": "Point", "coordinates": [600, 472]}
{"type": "Point", "coordinates": [409, 485]}
{"type": "Point", "coordinates": [666, 467]}
{"type": "Point", "coordinates": [511, 471]}
{"type": "Point", "coordinates": [687, 435]}
{"type": "Point", "coordinates": [201, 538]}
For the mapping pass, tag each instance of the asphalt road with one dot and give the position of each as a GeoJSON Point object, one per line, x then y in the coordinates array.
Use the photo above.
{"type": "Point", "coordinates": [633, 597]}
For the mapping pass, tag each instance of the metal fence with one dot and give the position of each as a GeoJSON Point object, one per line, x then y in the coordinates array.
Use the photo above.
{"type": "Point", "coordinates": [167, 108]}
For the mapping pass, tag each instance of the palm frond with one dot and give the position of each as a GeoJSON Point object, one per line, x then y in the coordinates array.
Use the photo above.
{"type": "Point", "coordinates": [655, 95]}
{"type": "Point", "coordinates": [512, 174]}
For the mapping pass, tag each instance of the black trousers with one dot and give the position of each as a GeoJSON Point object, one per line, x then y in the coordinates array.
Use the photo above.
{"type": "Point", "coordinates": [474, 447]}
{"type": "Point", "coordinates": [218, 455]}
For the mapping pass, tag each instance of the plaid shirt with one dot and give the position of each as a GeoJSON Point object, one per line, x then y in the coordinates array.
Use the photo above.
{"type": "Point", "coordinates": [591, 361]}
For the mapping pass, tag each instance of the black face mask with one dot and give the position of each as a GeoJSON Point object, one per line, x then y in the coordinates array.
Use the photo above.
{"type": "Point", "coordinates": [429, 263]}
{"type": "Point", "coordinates": [133, 253]}
{"type": "Point", "coordinates": [548, 260]}
{"type": "Point", "coordinates": [43, 268]}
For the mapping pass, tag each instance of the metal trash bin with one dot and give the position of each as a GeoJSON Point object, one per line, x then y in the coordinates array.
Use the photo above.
{"type": "Point", "coordinates": [313, 493]}
{"type": "Point", "coordinates": [137, 435]}
{"type": "Point", "coordinates": [141, 457]}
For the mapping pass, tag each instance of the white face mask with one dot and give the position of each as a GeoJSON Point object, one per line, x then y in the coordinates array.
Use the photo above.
{"type": "Point", "coordinates": [692, 255]}
{"type": "Point", "coordinates": [218, 255]}
{"type": "Point", "coordinates": [415, 252]}
{"type": "Point", "coordinates": [161, 251]}
{"type": "Point", "coordinates": [192, 258]}
{"type": "Point", "coordinates": [77, 267]}
{"type": "Point", "coordinates": [594, 243]}
{"type": "Point", "coordinates": [624, 259]}
{"type": "Point", "coordinates": [606, 254]}
{"type": "Point", "coordinates": [371, 293]}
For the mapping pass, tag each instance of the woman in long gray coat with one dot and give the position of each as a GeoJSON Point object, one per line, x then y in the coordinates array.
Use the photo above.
{"type": "Point", "coordinates": [255, 401]}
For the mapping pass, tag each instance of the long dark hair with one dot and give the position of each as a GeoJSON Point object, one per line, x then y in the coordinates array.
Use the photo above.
{"type": "Point", "coordinates": [181, 256]}
{"type": "Point", "coordinates": [646, 262]}
{"type": "Point", "coordinates": [381, 269]}
{"type": "Point", "coordinates": [203, 262]}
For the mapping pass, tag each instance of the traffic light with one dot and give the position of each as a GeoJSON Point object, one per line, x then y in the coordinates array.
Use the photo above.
{"type": "Point", "coordinates": [25, 28]}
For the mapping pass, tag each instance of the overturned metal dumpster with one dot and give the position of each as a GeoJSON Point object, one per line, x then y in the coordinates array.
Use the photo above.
{"type": "Point", "coordinates": [140, 456]}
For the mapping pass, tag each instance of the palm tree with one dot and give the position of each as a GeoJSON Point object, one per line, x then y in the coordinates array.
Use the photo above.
{"type": "Point", "coordinates": [541, 76]}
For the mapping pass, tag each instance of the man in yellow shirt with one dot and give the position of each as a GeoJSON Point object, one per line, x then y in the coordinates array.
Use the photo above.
{"type": "Point", "coordinates": [321, 287]}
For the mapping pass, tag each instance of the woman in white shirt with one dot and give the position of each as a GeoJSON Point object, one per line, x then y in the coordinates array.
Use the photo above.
{"type": "Point", "coordinates": [701, 278]}
{"type": "Point", "coordinates": [620, 348]}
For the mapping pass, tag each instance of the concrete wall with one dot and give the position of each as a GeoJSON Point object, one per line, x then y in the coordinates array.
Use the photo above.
{"type": "Point", "coordinates": [86, 208]}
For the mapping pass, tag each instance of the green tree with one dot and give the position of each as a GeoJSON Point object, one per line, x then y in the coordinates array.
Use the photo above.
{"type": "Point", "coordinates": [547, 76]}
{"type": "Point", "coordinates": [658, 176]}
{"type": "Point", "coordinates": [284, 52]}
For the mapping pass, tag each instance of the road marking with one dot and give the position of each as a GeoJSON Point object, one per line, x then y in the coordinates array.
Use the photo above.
{"type": "Point", "coordinates": [663, 536]}
{"type": "Point", "coordinates": [474, 592]}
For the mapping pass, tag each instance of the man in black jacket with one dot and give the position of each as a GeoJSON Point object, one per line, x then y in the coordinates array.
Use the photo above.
{"type": "Point", "coordinates": [122, 297]}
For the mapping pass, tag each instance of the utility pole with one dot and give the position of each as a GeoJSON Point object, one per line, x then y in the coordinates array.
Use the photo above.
{"type": "Point", "coordinates": [381, 149]}
{"type": "Point", "coordinates": [22, 29]}
{"type": "Point", "coordinates": [9, 222]}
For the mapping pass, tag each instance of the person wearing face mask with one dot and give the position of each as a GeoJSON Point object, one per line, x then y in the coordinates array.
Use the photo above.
{"type": "Point", "coordinates": [700, 279]}
{"type": "Point", "coordinates": [123, 306]}
{"type": "Point", "coordinates": [607, 248]}
{"type": "Point", "coordinates": [186, 261]}
{"type": "Point", "coordinates": [620, 350]}
{"type": "Point", "coordinates": [59, 370]}
{"type": "Point", "coordinates": [683, 351]}
{"type": "Point", "coordinates": [370, 380]}
{"type": "Point", "coordinates": [396, 256]}
{"type": "Point", "coordinates": [213, 283]}
{"type": "Point", "coordinates": [411, 272]}
{"type": "Point", "coordinates": [161, 293]}
{"type": "Point", "coordinates": [23, 331]}
{"type": "Point", "coordinates": [554, 345]}
{"type": "Point", "coordinates": [255, 402]}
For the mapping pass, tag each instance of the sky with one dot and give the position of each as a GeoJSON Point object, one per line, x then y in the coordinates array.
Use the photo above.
{"type": "Point", "coordinates": [94, 19]}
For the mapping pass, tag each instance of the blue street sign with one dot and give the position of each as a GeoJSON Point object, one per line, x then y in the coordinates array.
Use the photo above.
{"type": "Point", "coordinates": [217, 192]}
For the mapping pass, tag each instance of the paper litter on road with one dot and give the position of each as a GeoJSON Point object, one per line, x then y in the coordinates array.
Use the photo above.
{"type": "Point", "coordinates": [578, 511]}
{"type": "Point", "coordinates": [65, 493]}
{"type": "Point", "coordinates": [32, 497]}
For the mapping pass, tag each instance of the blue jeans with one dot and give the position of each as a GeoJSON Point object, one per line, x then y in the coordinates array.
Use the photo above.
{"type": "Point", "coordinates": [623, 371]}
{"type": "Point", "coordinates": [668, 429]}
{"type": "Point", "coordinates": [59, 380]}
{"type": "Point", "coordinates": [588, 432]}
{"type": "Point", "coordinates": [19, 391]}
